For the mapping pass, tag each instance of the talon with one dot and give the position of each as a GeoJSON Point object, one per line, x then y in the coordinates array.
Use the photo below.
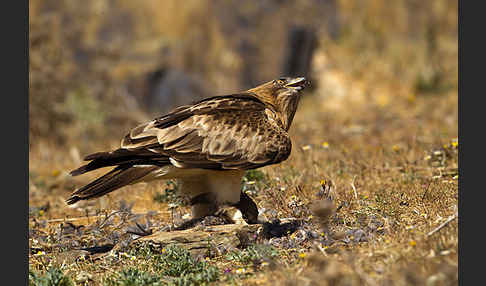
{"type": "Point", "coordinates": [248, 208]}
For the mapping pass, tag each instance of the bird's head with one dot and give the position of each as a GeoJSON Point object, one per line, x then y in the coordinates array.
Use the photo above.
{"type": "Point", "coordinates": [282, 95]}
{"type": "Point", "coordinates": [275, 88]}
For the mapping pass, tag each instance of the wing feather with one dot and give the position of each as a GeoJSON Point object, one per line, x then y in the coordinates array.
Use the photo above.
{"type": "Point", "coordinates": [229, 132]}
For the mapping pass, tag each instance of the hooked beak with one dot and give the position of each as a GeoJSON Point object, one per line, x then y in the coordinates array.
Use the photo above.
{"type": "Point", "coordinates": [297, 83]}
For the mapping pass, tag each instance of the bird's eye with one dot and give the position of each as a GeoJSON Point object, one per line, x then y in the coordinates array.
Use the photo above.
{"type": "Point", "coordinates": [280, 81]}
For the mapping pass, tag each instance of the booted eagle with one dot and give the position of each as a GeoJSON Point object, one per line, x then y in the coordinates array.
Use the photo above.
{"type": "Point", "coordinates": [207, 146]}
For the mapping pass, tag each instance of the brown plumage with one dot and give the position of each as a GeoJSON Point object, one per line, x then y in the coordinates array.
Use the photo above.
{"type": "Point", "coordinates": [207, 146]}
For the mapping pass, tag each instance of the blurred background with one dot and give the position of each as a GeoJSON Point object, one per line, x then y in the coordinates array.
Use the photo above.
{"type": "Point", "coordinates": [116, 63]}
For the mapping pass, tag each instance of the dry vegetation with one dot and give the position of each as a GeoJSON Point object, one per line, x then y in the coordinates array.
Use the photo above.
{"type": "Point", "coordinates": [373, 173]}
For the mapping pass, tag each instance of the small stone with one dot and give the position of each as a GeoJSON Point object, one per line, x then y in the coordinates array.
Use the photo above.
{"type": "Point", "coordinates": [83, 277]}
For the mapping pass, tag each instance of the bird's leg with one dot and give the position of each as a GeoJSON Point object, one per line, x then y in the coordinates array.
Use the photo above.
{"type": "Point", "coordinates": [248, 209]}
{"type": "Point", "coordinates": [202, 205]}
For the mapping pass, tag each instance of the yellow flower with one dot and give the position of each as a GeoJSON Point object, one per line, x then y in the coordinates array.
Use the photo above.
{"type": "Point", "coordinates": [163, 250]}
{"type": "Point", "coordinates": [41, 212]}
{"type": "Point", "coordinates": [411, 97]}
{"type": "Point", "coordinates": [325, 144]}
{"type": "Point", "coordinates": [240, 270]}
{"type": "Point", "coordinates": [302, 255]}
{"type": "Point", "coordinates": [310, 217]}
{"type": "Point", "coordinates": [323, 234]}
{"type": "Point", "coordinates": [207, 258]}
{"type": "Point", "coordinates": [412, 243]}
{"type": "Point", "coordinates": [306, 147]}
{"type": "Point", "coordinates": [382, 100]}
{"type": "Point", "coordinates": [454, 144]}
{"type": "Point", "coordinates": [396, 148]}
{"type": "Point", "coordinates": [55, 173]}
{"type": "Point", "coordinates": [123, 254]}
{"type": "Point", "coordinates": [445, 146]}
{"type": "Point", "coordinates": [323, 182]}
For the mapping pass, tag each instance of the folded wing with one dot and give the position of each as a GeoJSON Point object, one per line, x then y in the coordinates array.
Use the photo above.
{"type": "Point", "coordinates": [228, 132]}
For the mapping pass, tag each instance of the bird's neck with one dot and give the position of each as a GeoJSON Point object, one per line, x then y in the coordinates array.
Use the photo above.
{"type": "Point", "coordinates": [287, 107]}
{"type": "Point", "coordinates": [284, 105]}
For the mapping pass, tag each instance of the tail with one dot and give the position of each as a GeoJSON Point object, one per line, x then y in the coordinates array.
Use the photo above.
{"type": "Point", "coordinates": [125, 172]}
{"type": "Point", "coordinates": [119, 157]}
{"type": "Point", "coordinates": [118, 177]}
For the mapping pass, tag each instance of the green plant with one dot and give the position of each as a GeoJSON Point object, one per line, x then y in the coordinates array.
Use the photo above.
{"type": "Point", "coordinates": [175, 261]}
{"type": "Point", "coordinates": [253, 253]}
{"type": "Point", "coordinates": [178, 264]}
{"type": "Point", "coordinates": [205, 276]}
{"type": "Point", "coordinates": [133, 277]}
{"type": "Point", "coordinates": [254, 180]}
{"type": "Point", "coordinates": [254, 175]}
{"type": "Point", "coordinates": [170, 195]}
{"type": "Point", "coordinates": [52, 277]}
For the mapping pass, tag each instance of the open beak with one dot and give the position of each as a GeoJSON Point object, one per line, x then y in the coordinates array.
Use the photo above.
{"type": "Point", "coordinates": [297, 83]}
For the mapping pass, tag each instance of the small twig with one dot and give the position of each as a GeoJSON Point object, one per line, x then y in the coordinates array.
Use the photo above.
{"type": "Point", "coordinates": [80, 218]}
{"type": "Point", "coordinates": [142, 232]}
{"type": "Point", "coordinates": [107, 218]}
{"type": "Point", "coordinates": [354, 189]}
{"type": "Point", "coordinates": [87, 214]}
{"type": "Point", "coordinates": [71, 219]}
{"type": "Point", "coordinates": [321, 249]}
{"type": "Point", "coordinates": [106, 268]}
{"type": "Point", "coordinates": [451, 218]}
{"type": "Point", "coordinates": [172, 217]}
{"type": "Point", "coordinates": [426, 190]}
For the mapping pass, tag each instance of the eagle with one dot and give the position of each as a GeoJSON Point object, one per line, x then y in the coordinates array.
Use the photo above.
{"type": "Point", "coordinates": [206, 146]}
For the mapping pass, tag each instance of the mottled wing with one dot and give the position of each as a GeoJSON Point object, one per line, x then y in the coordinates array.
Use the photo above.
{"type": "Point", "coordinates": [229, 132]}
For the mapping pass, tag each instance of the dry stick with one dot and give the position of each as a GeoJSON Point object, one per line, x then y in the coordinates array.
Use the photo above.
{"type": "Point", "coordinates": [71, 219]}
{"type": "Point", "coordinates": [451, 218]}
{"type": "Point", "coordinates": [354, 189]}
{"type": "Point", "coordinates": [426, 190]}
{"type": "Point", "coordinates": [107, 217]}
{"type": "Point", "coordinates": [79, 218]}
{"type": "Point", "coordinates": [321, 249]}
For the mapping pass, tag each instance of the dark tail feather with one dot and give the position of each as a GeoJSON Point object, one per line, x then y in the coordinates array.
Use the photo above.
{"type": "Point", "coordinates": [118, 177]}
{"type": "Point", "coordinates": [120, 157]}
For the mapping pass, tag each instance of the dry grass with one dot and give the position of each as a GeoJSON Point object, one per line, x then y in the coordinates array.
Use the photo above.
{"type": "Point", "coordinates": [378, 136]}
{"type": "Point", "coordinates": [383, 181]}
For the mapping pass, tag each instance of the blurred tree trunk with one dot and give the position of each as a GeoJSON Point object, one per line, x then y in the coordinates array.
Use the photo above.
{"type": "Point", "coordinates": [302, 42]}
